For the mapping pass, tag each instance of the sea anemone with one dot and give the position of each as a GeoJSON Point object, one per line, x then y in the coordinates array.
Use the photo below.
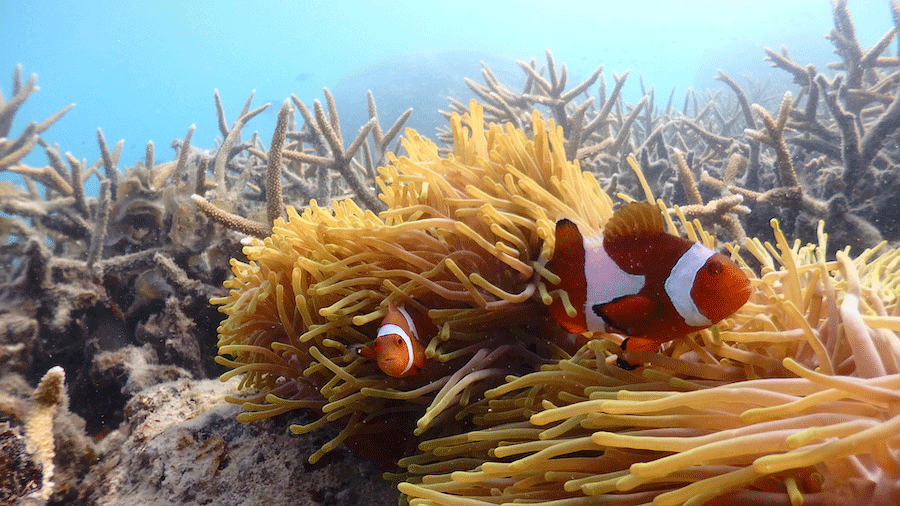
{"type": "Point", "coordinates": [792, 400]}
{"type": "Point", "coordinates": [461, 240]}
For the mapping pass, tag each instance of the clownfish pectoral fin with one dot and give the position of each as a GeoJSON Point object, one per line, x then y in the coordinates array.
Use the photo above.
{"type": "Point", "coordinates": [624, 364]}
{"type": "Point", "coordinates": [632, 315]}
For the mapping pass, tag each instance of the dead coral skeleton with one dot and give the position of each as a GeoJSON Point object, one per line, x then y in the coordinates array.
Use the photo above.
{"type": "Point", "coordinates": [849, 136]}
{"type": "Point", "coordinates": [79, 265]}
{"type": "Point", "coordinates": [317, 171]}
{"type": "Point", "coordinates": [582, 123]}
{"type": "Point", "coordinates": [12, 150]}
{"type": "Point", "coordinates": [832, 135]}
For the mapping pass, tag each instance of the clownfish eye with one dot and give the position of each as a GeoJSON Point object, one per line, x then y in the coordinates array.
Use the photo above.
{"type": "Point", "coordinates": [399, 341]}
{"type": "Point", "coordinates": [714, 267]}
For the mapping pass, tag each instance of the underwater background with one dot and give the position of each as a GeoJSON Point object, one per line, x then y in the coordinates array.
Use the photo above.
{"type": "Point", "coordinates": [146, 70]}
{"type": "Point", "coordinates": [199, 254]}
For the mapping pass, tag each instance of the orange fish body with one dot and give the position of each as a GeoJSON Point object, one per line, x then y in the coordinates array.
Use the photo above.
{"type": "Point", "coordinates": [398, 349]}
{"type": "Point", "coordinates": [638, 280]}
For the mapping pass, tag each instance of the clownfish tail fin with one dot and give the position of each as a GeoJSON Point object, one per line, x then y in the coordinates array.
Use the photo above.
{"type": "Point", "coordinates": [621, 362]}
{"type": "Point", "coordinates": [626, 365]}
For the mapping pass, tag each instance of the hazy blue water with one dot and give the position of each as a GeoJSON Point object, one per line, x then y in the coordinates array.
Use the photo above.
{"type": "Point", "coordinates": [146, 70]}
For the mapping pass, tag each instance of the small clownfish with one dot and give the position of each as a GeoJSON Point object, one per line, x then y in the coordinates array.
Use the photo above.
{"type": "Point", "coordinates": [641, 281]}
{"type": "Point", "coordinates": [398, 348]}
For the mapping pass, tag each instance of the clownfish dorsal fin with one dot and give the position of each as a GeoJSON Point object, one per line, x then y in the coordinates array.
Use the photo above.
{"type": "Point", "coordinates": [394, 316]}
{"type": "Point", "coordinates": [632, 219]}
{"type": "Point", "coordinates": [567, 238]}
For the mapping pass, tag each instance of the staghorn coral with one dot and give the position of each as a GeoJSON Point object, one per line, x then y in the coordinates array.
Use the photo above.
{"type": "Point", "coordinates": [833, 135]}
{"type": "Point", "coordinates": [86, 275]}
{"type": "Point", "coordinates": [460, 240]}
{"type": "Point", "coordinates": [310, 172]}
{"type": "Point", "coordinates": [792, 400]}
{"type": "Point", "coordinates": [12, 150]}
{"type": "Point", "coordinates": [114, 287]}
{"type": "Point", "coordinates": [590, 133]}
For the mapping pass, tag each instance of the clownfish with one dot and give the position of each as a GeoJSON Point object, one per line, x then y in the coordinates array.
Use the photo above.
{"type": "Point", "coordinates": [398, 347]}
{"type": "Point", "coordinates": [640, 281]}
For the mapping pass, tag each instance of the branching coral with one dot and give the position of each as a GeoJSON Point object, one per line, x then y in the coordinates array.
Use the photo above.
{"type": "Point", "coordinates": [460, 240]}
{"type": "Point", "coordinates": [320, 171]}
{"type": "Point", "coordinates": [832, 135]}
{"type": "Point", "coordinates": [12, 150]}
{"type": "Point", "coordinates": [86, 273]}
{"type": "Point", "coordinates": [589, 132]}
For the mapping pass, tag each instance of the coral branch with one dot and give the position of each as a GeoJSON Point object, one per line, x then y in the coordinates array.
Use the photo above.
{"type": "Point", "coordinates": [101, 224]}
{"type": "Point", "coordinates": [224, 151]}
{"type": "Point", "coordinates": [232, 221]}
{"type": "Point", "coordinates": [274, 195]}
{"type": "Point", "coordinates": [48, 398]}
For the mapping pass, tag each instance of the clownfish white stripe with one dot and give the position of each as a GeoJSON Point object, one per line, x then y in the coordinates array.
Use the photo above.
{"type": "Point", "coordinates": [606, 281]}
{"type": "Point", "coordinates": [389, 329]}
{"type": "Point", "coordinates": [681, 280]}
{"type": "Point", "coordinates": [409, 323]}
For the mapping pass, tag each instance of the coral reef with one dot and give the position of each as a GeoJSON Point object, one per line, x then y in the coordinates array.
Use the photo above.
{"type": "Point", "coordinates": [827, 153]}
{"type": "Point", "coordinates": [789, 400]}
{"type": "Point", "coordinates": [811, 318]}
{"type": "Point", "coordinates": [114, 287]}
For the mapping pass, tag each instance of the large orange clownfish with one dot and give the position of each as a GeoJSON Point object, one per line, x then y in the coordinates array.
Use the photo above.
{"type": "Point", "coordinates": [398, 345]}
{"type": "Point", "coordinates": [638, 280]}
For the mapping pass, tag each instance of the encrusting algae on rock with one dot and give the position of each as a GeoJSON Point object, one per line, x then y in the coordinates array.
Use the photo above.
{"type": "Point", "coordinates": [790, 399]}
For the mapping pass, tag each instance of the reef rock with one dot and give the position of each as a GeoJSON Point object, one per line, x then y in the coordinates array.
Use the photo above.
{"type": "Point", "coordinates": [180, 444]}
